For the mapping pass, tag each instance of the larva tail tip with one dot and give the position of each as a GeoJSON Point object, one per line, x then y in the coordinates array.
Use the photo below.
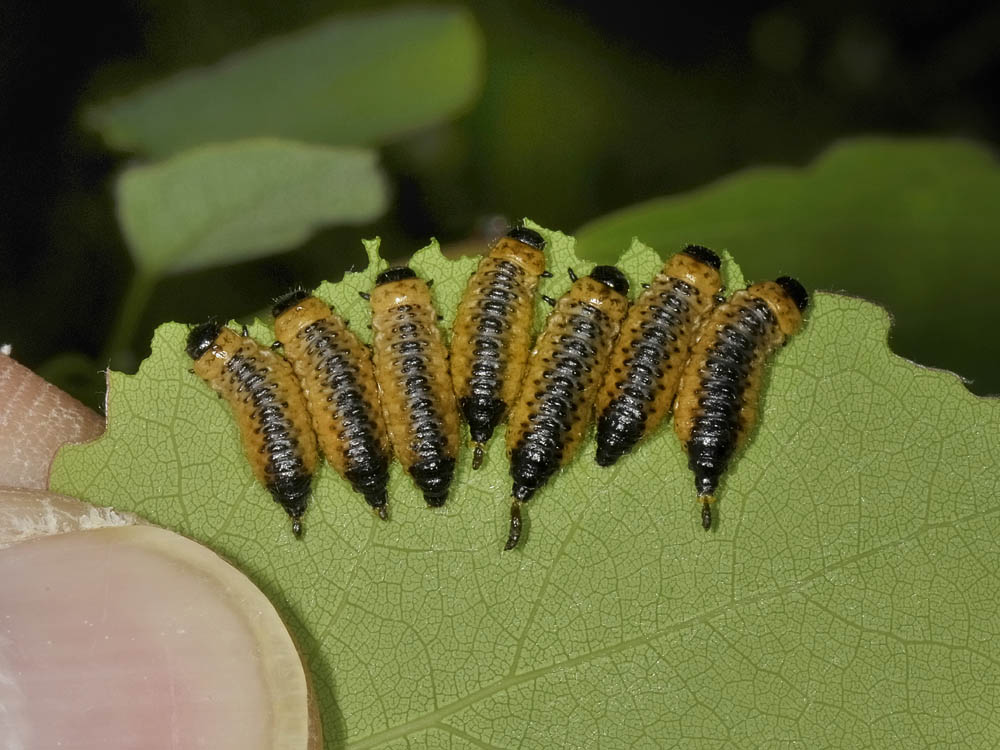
{"type": "Point", "coordinates": [522, 492]}
{"type": "Point", "coordinates": [477, 455]}
{"type": "Point", "coordinates": [297, 527]}
{"type": "Point", "coordinates": [382, 513]}
{"type": "Point", "coordinates": [706, 513]}
{"type": "Point", "coordinates": [606, 455]}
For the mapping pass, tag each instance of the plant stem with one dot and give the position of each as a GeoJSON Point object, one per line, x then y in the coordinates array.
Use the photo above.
{"type": "Point", "coordinates": [118, 352]}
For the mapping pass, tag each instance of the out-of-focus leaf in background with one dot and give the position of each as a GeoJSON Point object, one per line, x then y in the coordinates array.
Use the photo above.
{"type": "Point", "coordinates": [360, 79]}
{"type": "Point", "coordinates": [913, 224]}
{"type": "Point", "coordinates": [562, 110]}
{"type": "Point", "coordinates": [232, 202]}
{"type": "Point", "coordinates": [227, 203]}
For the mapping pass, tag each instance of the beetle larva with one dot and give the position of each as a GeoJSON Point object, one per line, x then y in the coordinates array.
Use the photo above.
{"type": "Point", "coordinates": [269, 408]}
{"type": "Point", "coordinates": [719, 390]}
{"type": "Point", "coordinates": [491, 336]}
{"type": "Point", "coordinates": [651, 350]}
{"type": "Point", "coordinates": [554, 407]}
{"type": "Point", "coordinates": [411, 367]}
{"type": "Point", "coordinates": [335, 371]}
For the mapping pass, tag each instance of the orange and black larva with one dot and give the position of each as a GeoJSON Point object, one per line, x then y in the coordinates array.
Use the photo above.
{"type": "Point", "coordinates": [717, 399]}
{"type": "Point", "coordinates": [269, 408]}
{"type": "Point", "coordinates": [491, 335]}
{"type": "Point", "coordinates": [335, 371]}
{"type": "Point", "coordinates": [411, 367]}
{"type": "Point", "coordinates": [554, 407]}
{"type": "Point", "coordinates": [647, 358]}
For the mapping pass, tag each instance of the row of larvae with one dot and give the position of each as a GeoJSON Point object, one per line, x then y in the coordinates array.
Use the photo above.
{"type": "Point", "coordinates": [489, 363]}
{"type": "Point", "coordinates": [680, 342]}
{"type": "Point", "coordinates": [684, 346]}
{"type": "Point", "coordinates": [363, 407]}
{"type": "Point", "coordinates": [327, 387]}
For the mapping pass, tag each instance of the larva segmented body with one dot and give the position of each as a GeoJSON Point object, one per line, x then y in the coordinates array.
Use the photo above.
{"type": "Point", "coordinates": [411, 367]}
{"type": "Point", "coordinates": [491, 336]}
{"type": "Point", "coordinates": [335, 371]}
{"type": "Point", "coordinates": [557, 396]}
{"type": "Point", "coordinates": [269, 408]}
{"type": "Point", "coordinates": [717, 399]}
{"type": "Point", "coordinates": [647, 358]}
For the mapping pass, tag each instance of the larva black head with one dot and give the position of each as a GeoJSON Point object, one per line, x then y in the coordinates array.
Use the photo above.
{"type": "Point", "coordinates": [795, 290]}
{"type": "Point", "coordinates": [611, 277]}
{"type": "Point", "coordinates": [286, 301]}
{"type": "Point", "coordinates": [706, 256]}
{"type": "Point", "coordinates": [394, 274]}
{"type": "Point", "coordinates": [528, 237]}
{"type": "Point", "coordinates": [202, 337]}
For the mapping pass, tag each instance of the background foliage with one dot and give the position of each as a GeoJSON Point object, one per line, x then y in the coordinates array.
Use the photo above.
{"type": "Point", "coordinates": [561, 111]}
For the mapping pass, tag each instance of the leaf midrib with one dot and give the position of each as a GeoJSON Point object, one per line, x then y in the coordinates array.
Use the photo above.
{"type": "Point", "coordinates": [434, 718]}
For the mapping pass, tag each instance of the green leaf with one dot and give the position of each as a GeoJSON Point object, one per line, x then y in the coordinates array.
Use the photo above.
{"type": "Point", "coordinates": [846, 599]}
{"type": "Point", "coordinates": [355, 79]}
{"type": "Point", "coordinates": [910, 223]}
{"type": "Point", "coordinates": [236, 201]}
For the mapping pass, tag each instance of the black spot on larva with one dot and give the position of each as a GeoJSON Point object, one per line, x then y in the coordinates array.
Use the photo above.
{"type": "Point", "coordinates": [795, 290]}
{"type": "Point", "coordinates": [610, 277]}
{"type": "Point", "coordinates": [394, 274]}
{"type": "Point", "coordinates": [201, 338]}
{"type": "Point", "coordinates": [706, 256]}
{"type": "Point", "coordinates": [527, 236]}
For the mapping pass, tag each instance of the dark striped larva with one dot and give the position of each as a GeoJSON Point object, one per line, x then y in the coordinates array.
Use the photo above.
{"type": "Point", "coordinates": [269, 408]}
{"type": "Point", "coordinates": [648, 356]}
{"type": "Point", "coordinates": [411, 367]}
{"type": "Point", "coordinates": [720, 387]}
{"type": "Point", "coordinates": [554, 407]}
{"type": "Point", "coordinates": [335, 371]}
{"type": "Point", "coordinates": [491, 336]}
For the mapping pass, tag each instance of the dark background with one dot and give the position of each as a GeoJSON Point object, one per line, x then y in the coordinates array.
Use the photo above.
{"type": "Point", "coordinates": [585, 108]}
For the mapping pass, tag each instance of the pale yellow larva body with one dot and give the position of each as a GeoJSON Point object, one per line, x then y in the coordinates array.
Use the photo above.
{"type": "Point", "coordinates": [411, 368]}
{"type": "Point", "coordinates": [491, 335]}
{"type": "Point", "coordinates": [269, 409]}
{"type": "Point", "coordinates": [719, 391]}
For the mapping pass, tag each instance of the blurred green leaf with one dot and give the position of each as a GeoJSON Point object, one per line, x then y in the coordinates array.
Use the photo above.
{"type": "Point", "coordinates": [231, 202]}
{"type": "Point", "coordinates": [846, 599]}
{"type": "Point", "coordinates": [911, 223]}
{"type": "Point", "coordinates": [352, 80]}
